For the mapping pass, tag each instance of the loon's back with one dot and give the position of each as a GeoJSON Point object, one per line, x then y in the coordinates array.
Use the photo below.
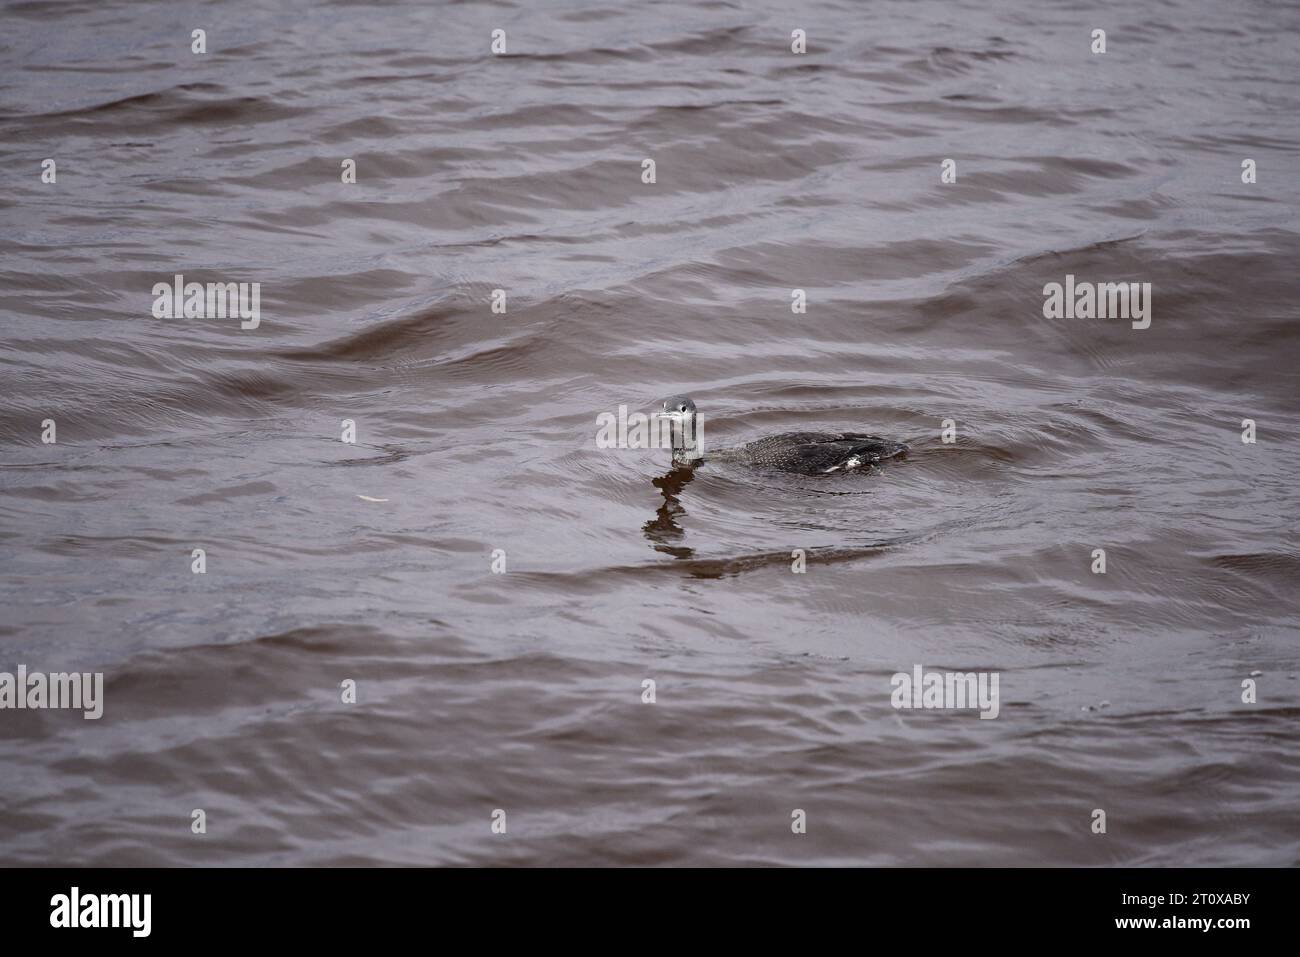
{"type": "Point", "coordinates": [814, 453]}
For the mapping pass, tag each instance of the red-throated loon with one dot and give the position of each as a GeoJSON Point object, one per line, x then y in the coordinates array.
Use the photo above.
{"type": "Point", "coordinates": [811, 453]}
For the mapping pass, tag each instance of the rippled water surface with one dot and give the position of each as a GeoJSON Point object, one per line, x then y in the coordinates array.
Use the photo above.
{"type": "Point", "coordinates": [476, 431]}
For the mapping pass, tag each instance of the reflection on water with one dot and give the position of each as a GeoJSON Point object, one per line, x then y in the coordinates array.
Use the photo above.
{"type": "Point", "coordinates": [663, 529]}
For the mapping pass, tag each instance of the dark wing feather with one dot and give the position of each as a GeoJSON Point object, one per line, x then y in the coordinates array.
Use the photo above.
{"type": "Point", "coordinates": [813, 452]}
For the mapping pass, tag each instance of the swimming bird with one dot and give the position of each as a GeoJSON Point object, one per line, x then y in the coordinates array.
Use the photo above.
{"type": "Point", "coordinates": [809, 453]}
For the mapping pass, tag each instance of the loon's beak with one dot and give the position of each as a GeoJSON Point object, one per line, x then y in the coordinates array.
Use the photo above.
{"type": "Point", "coordinates": [675, 416]}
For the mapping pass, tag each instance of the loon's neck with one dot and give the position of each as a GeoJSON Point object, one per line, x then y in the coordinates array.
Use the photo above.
{"type": "Point", "coordinates": [688, 442]}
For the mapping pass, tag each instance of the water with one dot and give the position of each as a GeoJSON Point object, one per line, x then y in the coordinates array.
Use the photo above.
{"type": "Point", "coordinates": [522, 691]}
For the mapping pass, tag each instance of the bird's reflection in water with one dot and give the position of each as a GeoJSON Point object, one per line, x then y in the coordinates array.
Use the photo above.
{"type": "Point", "coordinates": [663, 530]}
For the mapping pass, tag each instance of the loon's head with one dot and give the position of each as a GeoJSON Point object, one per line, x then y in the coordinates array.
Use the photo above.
{"type": "Point", "coordinates": [687, 440]}
{"type": "Point", "coordinates": [678, 407]}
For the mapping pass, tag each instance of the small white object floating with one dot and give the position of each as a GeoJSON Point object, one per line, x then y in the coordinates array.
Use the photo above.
{"type": "Point", "coordinates": [367, 498]}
